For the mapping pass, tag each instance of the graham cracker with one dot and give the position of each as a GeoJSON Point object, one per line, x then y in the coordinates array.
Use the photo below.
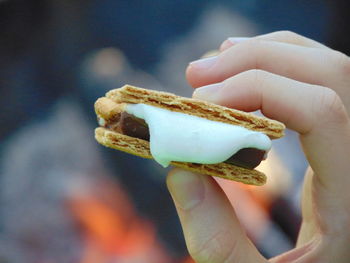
{"type": "Point", "coordinates": [141, 148]}
{"type": "Point", "coordinates": [199, 108]}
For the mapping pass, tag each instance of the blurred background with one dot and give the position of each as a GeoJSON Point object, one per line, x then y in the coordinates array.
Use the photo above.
{"type": "Point", "coordinates": [63, 197]}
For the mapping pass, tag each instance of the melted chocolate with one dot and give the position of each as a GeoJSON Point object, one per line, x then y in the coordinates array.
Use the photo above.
{"type": "Point", "coordinates": [247, 158]}
{"type": "Point", "coordinates": [135, 127]}
{"type": "Point", "coordinates": [130, 125]}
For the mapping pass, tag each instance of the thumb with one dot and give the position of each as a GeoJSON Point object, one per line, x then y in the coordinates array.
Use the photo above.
{"type": "Point", "coordinates": [211, 228]}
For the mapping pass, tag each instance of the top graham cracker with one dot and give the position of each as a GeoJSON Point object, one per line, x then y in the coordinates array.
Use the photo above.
{"type": "Point", "coordinates": [199, 108]}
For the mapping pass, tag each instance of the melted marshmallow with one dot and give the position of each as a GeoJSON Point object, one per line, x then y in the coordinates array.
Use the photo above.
{"type": "Point", "coordinates": [181, 137]}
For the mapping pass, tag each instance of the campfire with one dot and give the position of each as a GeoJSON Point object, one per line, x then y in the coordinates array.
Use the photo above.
{"type": "Point", "coordinates": [110, 228]}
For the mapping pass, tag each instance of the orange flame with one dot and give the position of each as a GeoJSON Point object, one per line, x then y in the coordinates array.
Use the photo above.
{"type": "Point", "coordinates": [111, 229]}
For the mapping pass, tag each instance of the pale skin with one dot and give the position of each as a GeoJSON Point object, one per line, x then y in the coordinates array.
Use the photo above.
{"type": "Point", "coordinates": [305, 85]}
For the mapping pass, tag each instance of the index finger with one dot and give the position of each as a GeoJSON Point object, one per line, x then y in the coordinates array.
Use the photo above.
{"type": "Point", "coordinates": [279, 36]}
{"type": "Point", "coordinates": [305, 64]}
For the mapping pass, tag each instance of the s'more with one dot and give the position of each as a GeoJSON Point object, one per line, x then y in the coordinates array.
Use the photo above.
{"type": "Point", "coordinates": [188, 133]}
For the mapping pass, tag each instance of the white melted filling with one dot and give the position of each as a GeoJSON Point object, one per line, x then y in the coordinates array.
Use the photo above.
{"type": "Point", "coordinates": [181, 137]}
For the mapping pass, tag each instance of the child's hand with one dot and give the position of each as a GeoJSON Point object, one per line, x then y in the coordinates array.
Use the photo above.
{"type": "Point", "coordinates": [305, 85]}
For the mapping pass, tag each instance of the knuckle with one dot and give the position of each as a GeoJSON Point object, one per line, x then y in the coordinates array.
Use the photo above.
{"type": "Point", "coordinates": [257, 77]}
{"type": "Point", "coordinates": [288, 35]}
{"type": "Point", "coordinates": [257, 49]}
{"type": "Point", "coordinates": [256, 74]}
{"type": "Point", "coordinates": [218, 248]}
{"type": "Point", "coordinates": [342, 61]}
{"type": "Point", "coordinates": [331, 106]}
{"type": "Point", "coordinates": [253, 44]}
{"type": "Point", "coordinates": [253, 78]}
{"type": "Point", "coordinates": [338, 60]}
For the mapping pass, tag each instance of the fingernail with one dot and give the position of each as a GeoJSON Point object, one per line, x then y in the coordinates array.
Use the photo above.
{"type": "Point", "coordinates": [204, 63]}
{"type": "Point", "coordinates": [208, 93]}
{"type": "Point", "coordinates": [236, 40]}
{"type": "Point", "coordinates": [186, 188]}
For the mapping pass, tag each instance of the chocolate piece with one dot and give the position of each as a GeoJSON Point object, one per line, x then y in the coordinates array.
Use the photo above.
{"type": "Point", "coordinates": [132, 126]}
{"type": "Point", "coordinates": [247, 158]}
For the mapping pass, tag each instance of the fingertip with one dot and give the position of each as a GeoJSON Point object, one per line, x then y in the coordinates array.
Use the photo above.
{"type": "Point", "coordinates": [198, 72]}
{"type": "Point", "coordinates": [189, 76]}
{"type": "Point", "coordinates": [194, 77]}
{"type": "Point", "coordinates": [175, 171]}
{"type": "Point", "coordinates": [172, 173]}
{"type": "Point", "coordinates": [208, 93]}
{"type": "Point", "coordinates": [186, 188]}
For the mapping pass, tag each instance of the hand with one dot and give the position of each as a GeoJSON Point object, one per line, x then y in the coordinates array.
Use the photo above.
{"type": "Point", "coordinates": [305, 85]}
